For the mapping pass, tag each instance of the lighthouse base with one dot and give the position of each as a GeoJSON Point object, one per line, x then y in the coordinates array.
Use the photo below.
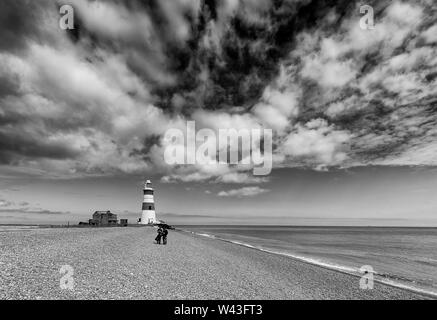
{"type": "Point", "coordinates": [148, 217]}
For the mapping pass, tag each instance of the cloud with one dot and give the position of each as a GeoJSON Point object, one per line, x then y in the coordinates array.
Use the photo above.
{"type": "Point", "coordinates": [328, 73]}
{"type": "Point", "coordinates": [17, 20]}
{"type": "Point", "coordinates": [33, 211]}
{"type": "Point", "coordinates": [97, 100]}
{"type": "Point", "coordinates": [5, 203]}
{"type": "Point", "coordinates": [114, 21]}
{"type": "Point", "coordinates": [241, 177]}
{"type": "Point", "coordinates": [7, 206]}
{"type": "Point", "coordinates": [317, 142]}
{"type": "Point", "coordinates": [430, 34]}
{"type": "Point", "coordinates": [279, 103]}
{"type": "Point", "coordinates": [243, 192]}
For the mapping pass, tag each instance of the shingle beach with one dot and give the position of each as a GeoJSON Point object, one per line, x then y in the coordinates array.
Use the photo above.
{"type": "Point", "coordinates": [124, 263]}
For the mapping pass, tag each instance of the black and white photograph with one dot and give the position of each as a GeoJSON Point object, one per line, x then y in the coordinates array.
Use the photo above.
{"type": "Point", "coordinates": [218, 151]}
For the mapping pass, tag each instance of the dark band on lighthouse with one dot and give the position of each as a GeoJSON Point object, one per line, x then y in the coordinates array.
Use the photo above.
{"type": "Point", "coordinates": [148, 206]}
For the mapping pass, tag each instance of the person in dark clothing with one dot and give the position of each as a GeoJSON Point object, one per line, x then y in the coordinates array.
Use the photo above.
{"type": "Point", "coordinates": [164, 236]}
{"type": "Point", "coordinates": [158, 237]}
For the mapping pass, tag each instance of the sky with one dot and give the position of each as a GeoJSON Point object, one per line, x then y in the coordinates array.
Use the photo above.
{"type": "Point", "coordinates": [84, 112]}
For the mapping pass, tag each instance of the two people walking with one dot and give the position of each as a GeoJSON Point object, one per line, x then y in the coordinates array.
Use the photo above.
{"type": "Point", "coordinates": [162, 234]}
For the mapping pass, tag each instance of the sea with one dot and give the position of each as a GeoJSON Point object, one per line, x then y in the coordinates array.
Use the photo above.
{"type": "Point", "coordinates": [398, 256]}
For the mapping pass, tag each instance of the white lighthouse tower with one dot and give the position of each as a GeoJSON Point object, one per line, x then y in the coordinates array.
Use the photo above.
{"type": "Point", "coordinates": [148, 215]}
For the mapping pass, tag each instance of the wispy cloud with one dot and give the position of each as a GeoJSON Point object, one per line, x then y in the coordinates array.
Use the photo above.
{"type": "Point", "coordinates": [33, 211]}
{"type": "Point", "coordinates": [242, 192]}
{"type": "Point", "coordinates": [7, 206]}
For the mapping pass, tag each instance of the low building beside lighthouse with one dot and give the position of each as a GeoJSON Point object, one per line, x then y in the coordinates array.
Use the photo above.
{"type": "Point", "coordinates": [103, 218]}
{"type": "Point", "coordinates": [148, 215]}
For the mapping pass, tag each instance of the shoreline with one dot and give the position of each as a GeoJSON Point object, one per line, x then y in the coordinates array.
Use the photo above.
{"type": "Point", "coordinates": [310, 261]}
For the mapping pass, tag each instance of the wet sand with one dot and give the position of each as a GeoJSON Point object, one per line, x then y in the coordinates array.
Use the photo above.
{"type": "Point", "coordinates": [124, 263]}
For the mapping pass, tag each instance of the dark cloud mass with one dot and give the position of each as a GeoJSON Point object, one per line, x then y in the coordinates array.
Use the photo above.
{"type": "Point", "coordinates": [98, 99]}
{"type": "Point", "coordinates": [18, 23]}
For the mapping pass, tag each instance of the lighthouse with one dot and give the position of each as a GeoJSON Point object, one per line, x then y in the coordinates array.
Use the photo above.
{"type": "Point", "coordinates": [148, 215]}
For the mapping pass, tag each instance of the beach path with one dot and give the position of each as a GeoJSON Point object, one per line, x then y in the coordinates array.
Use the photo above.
{"type": "Point", "coordinates": [124, 263]}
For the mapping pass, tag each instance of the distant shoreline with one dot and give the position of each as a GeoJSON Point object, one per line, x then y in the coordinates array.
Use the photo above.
{"type": "Point", "coordinates": [49, 226]}
{"type": "Point", "coordinates": [218, 225]}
